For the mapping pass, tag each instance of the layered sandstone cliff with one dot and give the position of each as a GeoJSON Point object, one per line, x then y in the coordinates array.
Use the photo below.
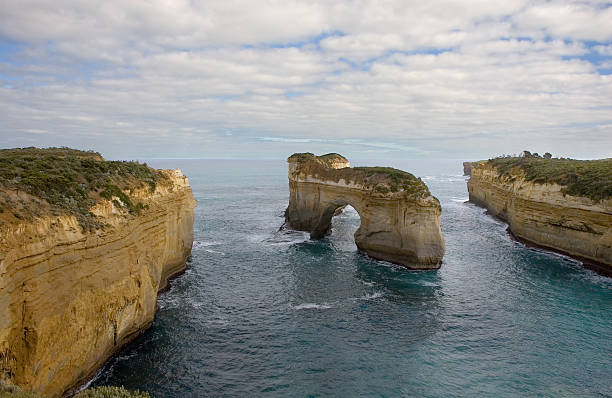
{"type": "Point", "coordinates": [400, 219]}
{"type": "Point", "coordinates": [544, 214]}
{"type": "Point", "coordinates": [71, 296]}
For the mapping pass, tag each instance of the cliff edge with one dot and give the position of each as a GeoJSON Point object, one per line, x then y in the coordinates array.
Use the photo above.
{"type": "Point", "coordinates": [468, 167]}
{"type": "Point", "coordinates": [400, 219]}
{"type": "Point", "coordinates": [561, 204]}
{"type": "Point", "coordinates": [85, 246]}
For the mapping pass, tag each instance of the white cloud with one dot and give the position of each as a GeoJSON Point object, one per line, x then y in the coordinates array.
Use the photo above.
{"type": "Point", "coordinates": [573, 20]}
{"type": "Point", "coordinates": [417, 77]}
{"type": "Point", "coordinates": [604, 50]}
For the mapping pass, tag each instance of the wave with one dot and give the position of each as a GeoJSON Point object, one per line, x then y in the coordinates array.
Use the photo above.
{"type": "Point", "coordinates": [256, 238]}
{"type": "Point", "coordinates": [460, 200]}
{"type": "Point", "coordinates": [445, 178]}
{"type": "Point", "coordinates": [196, 304]}
{"type": "Point", "coordinates": [549, 252]}
{"type": "Point", "coordinates": [288, 237]}
{"type": "Point", "coordinates": [425, 283]}
{"type": "Point", "coordinates": [201, 243]}
{"type": "Point", "coordinates": [392, 266]}
{"type": "Point", "coordinates": [214, 251]}
{"type": "Point", "coordinates": [106, 371]}
{"type": "Point", "coordinates": [371, 296]}
{"type": "Point", "coordinates": [96, 376]}
{"type": "Point", "coordinates": [311, 306]}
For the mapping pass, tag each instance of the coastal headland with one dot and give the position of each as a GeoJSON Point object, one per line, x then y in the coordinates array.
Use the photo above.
{"type": "Point", "coordinates": [560, 204]}
{"type": "Point", "coordinates": [85, 246]}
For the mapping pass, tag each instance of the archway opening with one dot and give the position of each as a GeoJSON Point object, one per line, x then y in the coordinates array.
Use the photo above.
{"type": "Point", "coordinates": [344, 224]}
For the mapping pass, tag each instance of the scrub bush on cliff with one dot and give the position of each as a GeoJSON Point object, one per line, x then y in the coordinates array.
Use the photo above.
{"type": "Point", "coordinates": [588, 178]}
{"type": "Point", "coordinates": [70, 181]}
{"type": "Point", "coordinates": [10, 391]}
{"type": "Point", "coordinates": [112, 392]}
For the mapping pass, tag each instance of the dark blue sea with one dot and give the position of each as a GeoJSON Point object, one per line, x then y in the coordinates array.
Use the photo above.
{"type": "Point", "coordinates": [273, 314]}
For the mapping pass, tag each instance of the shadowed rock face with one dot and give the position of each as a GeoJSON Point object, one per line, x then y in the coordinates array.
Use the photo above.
{"type": "Point", "coordinates": [400, 219]}
{"type": "Point", "coordinates": [467, 168]}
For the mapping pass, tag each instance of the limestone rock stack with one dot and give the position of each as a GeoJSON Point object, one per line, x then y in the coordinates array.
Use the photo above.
{"type": "Point", "coordinates": [400, 219]}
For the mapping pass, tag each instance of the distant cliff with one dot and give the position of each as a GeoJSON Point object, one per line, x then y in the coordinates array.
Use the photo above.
{"type": "Point", "coordinates": [561, 204]}
{"type": "Point", "coordinates": [400, 219]}
{"type": "Point", "coordinates": [85, 247]}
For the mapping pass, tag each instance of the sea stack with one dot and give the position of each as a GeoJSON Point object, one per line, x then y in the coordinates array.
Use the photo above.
{"type": "Point", "coordinates": [86, 245]}
{"type": "Point", "coordinates": [560, 204]}
{"type": "Point", "coordinates": [400, 219]}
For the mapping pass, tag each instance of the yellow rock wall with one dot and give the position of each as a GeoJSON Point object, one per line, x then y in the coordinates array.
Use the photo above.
{"type": "Point", "coordinates": [393, 226]}
{"type": "Point", "coordinates": [69, 300]}
{"type": "Point", "coordinates": [541, 214]}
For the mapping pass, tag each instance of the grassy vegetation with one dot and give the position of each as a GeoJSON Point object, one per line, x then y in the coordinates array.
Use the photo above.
{"type": "Point", "coordinates": [98, 392]}
{"type": "Point", "coordinates": [329, 158]}
{"type": "Point", "coordinates": [412, 185]}
{"type": "Point", "coordinates": [588, 178]}
{"type": "Point", "coordinates": [59, 152]}
{"type": "Point", "coordinates": [326, 159]}
{"type": "Point", "coordinates": [111, 191]}
{"type": "Point", "coordinates": [68, 181]}
{"type": "Point", "coordinates": [111, 392]}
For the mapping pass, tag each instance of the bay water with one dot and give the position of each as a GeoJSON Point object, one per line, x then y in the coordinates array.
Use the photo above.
{"type": "Point", "coordinates": [263, 312]}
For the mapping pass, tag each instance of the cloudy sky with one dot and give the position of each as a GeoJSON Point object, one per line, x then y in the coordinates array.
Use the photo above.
{"type": "Point", "coordinates": [367, 78]}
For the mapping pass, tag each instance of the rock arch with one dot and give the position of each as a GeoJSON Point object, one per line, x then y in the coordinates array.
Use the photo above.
{"type": "Point", "coordinates": [400, 219]}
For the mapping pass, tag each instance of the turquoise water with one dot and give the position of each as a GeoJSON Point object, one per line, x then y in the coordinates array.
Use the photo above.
{"type": "Point", "coordinates": [267, 313]}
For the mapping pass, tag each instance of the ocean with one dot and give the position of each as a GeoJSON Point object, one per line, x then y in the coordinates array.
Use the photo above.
{"type": "Point", "coordinates": [263, 312]}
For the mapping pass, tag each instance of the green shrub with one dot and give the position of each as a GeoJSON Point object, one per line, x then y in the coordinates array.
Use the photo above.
{"type": "Point", "coordinates": [7, 391]}
{"type": "Point", "coordinates": [111, 392]}
{"type": "Point", "coordinates": [124, 200]}
{"type": "Point", "coordinates": [397, 179]}
{"type": "Point", "coordinates": [70, 180]}
{"type": "Point", "coordinates": [382, 189]}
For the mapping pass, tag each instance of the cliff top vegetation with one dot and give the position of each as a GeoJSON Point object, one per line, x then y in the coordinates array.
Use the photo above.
{"type": "Point", "coordinates": [328, 159]}
{"type": "Point", "coordinates": [382, 180]}
{"type": "Point", "coordinates": [37, 181]}
{"type": "Point", "coordinates": [53, 151]}
{"type": "Point", "coordinates": [588, 178]}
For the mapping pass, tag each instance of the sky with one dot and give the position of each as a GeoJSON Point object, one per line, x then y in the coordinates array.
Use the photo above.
{"type": "Point", "coordinates": [370, 79]}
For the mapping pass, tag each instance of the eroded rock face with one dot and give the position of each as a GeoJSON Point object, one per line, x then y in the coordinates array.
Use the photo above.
{"type": "Point", "coordinates": [69, 299]}
{"type": "Point", "coordinates": [400, 220]}
{"type": "Point", "coordinates": [467, 168]}
{"type": "Point", "coordinates": [542, 214]}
